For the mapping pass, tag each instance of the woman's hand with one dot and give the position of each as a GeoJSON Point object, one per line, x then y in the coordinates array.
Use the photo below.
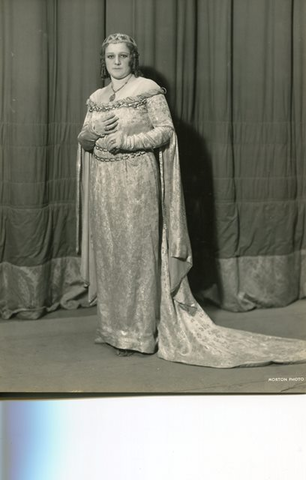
{"type": "Point", "coordinates": [115, 142]}
{"type": "Point", "coordinates": [105, 126]}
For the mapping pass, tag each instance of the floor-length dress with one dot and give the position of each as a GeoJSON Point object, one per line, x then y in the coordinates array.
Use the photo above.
{"type": "Point", "coordinates": [135, 246]}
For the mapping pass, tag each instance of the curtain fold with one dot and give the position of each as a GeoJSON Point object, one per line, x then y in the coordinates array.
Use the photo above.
{"type": "Point", "coordinates": [266, 239]}
{"type": "Point", "coordinates": [44, 84]}
{"type": "Point", "coordinates": [234, 73]}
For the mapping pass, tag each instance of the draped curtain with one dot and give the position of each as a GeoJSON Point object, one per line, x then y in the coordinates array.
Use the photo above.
{"type": "Point", "coordinates": [234, 73]}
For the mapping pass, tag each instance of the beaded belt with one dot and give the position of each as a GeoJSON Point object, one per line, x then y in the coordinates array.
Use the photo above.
{"type": "Point", "coordinates": [106, 156]}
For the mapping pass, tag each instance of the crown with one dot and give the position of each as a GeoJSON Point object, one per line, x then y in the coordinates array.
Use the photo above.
{"type": "Point", "coordinates": [117, 38]}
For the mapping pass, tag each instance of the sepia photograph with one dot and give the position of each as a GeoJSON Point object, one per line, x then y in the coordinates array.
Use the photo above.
{"type": "Point", "coordinates": [152, 197]}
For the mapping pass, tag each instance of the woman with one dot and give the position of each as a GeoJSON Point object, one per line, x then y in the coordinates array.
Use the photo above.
{"type": "Point", "coordinates": [135, 246]}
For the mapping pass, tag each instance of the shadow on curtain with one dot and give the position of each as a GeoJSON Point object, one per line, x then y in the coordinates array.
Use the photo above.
{"type": "Point", "coordinates": [233, 70]}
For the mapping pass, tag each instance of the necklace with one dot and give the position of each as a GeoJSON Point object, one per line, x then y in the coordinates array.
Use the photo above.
{"type": "Point", "coordinates": [113, 96]}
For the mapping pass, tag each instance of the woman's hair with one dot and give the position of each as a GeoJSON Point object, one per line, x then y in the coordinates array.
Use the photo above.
{"type": "Point", "coordinates": [132, 46]}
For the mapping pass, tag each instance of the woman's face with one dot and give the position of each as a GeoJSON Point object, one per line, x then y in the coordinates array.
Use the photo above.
{"type": "Point", "coordinates": [117, 60]}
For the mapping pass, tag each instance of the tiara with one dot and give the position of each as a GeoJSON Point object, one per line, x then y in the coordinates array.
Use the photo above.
{"type": "Point", "coordinates": [119, 37]}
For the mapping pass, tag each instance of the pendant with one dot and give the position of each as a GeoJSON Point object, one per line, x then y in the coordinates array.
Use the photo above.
{"type": "Point", "coordinates": [112, 97]}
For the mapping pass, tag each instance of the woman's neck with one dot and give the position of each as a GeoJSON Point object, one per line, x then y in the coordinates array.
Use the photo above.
{"type": "Point", "coordinates": [119, 82]}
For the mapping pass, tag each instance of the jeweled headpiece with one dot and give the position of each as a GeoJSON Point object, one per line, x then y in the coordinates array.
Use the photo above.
{"type": "Point", "coordinates": [118, 38]}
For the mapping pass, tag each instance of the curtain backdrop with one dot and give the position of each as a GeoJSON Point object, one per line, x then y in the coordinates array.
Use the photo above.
{"type": "Point", "coordinates": [235, 75]}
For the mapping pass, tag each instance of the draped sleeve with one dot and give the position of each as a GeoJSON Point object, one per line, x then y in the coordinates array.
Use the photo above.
{"type": "Point", "coordinates": [83, 238]}
{"type": "Point", "coordinates": [87, 136]}
{"type": "Point", "coordinates": [177, 242]}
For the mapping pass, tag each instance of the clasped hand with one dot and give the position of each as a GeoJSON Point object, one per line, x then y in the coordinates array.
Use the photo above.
{"type": "Point", "coordinates": [115, 142]}
{"type": "Point", "coordinates": [107, 125]}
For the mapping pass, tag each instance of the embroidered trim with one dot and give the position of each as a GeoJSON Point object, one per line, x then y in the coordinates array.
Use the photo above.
{"type": "Point", "coordinates": [118, 104]}
{"type": "Point", "coordinates": [134, 102]}
{"type": "Point", "coordinates": [118, 156]}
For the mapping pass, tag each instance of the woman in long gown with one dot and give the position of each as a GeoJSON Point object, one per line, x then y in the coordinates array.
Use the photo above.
{"type": "Point", "coordinates": [134, 240]}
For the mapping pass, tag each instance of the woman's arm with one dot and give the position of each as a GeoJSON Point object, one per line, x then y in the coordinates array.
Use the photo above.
{"type": "Point", "coordinates": [159, 135]}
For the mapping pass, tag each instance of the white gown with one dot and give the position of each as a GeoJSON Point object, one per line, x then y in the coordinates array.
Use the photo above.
{"type": "Point", "coordinates": [173, 321]}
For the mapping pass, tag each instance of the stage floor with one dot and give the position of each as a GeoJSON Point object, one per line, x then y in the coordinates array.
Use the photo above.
{"type": "Point", "coordinates": [56, 354]}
